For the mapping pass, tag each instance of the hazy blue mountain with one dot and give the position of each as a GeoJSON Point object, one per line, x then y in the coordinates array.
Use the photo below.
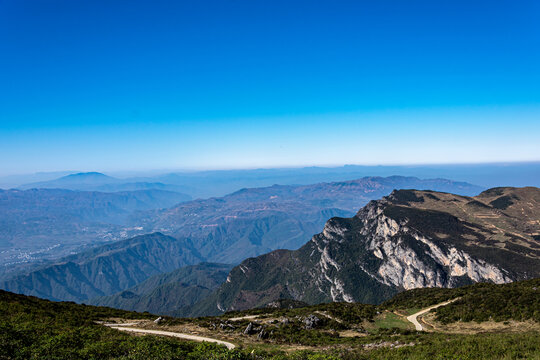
{"type": "Point", "coordinates": [407, 240]}
{"type": "Point", "coordinates": [218, 183]}
{"type": "Point", "coordinates": [250, 222]}
{"type": "Point", "coordinates": [13, 181]}
{"type": "Point", "coordinates": [165, 293]}
{"type": "Point", "coordinates": [44, 223]}
{"type": "Point", "coordinates": [73, 181]}
{"type": "Point", "coordinates": [95, 181]}
{"type": "Point", "coordinates": [204, 184]}
{"type": "Point", "coordinates": [106, 270]}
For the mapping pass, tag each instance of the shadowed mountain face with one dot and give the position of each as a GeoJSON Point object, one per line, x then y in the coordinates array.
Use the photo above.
{"type": "Point", "coordinates": [247, 223]}
{"type": "Point", "coordinates": [165, 293]}
{"type": "Point", "coordinates": [107, 269]}
{"type": "Point", "coordinates": [39, 223]}
{"type": "Point", "coordinates": [407, 240]}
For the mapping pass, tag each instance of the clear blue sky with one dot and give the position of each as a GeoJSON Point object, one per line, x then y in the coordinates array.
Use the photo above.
{"type": "Point", "coordinates": [134, 85]}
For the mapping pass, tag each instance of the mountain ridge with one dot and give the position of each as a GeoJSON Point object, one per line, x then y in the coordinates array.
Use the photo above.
{"type": "Point", "coordinates": [406, 240]}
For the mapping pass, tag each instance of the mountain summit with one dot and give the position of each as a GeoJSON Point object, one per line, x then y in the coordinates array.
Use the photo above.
{"type": "Point", "coordinates": [76, 181]}
{"type": "Point", "coordinates": [91, 176]}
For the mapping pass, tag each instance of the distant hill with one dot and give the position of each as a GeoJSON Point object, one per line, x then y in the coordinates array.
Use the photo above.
{"type": "Point", "coordinates": [95, 181]}
{"type": "Point", "coordinates": [407, 240]}
{"type": "Point", "coordinates": [44, 223]}
{"type": "Point", "coordinates": [74, 180]}
{"type": "Point", "coordinates": [166, 293]}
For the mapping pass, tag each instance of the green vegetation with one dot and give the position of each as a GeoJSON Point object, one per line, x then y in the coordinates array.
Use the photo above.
{"type": "Point", "coordinates": [390, 320]}
{"type": "Point", "coordinates": [463, 347]}
{"type": "Point", "coordinates": [479, 302]}
{"type": "Point", "coordinates": [515, 301]}
{"type": "Point", "coordinates": [421, 298]}
{"type": "Point", "coordinates": [347, 313]}
{"type": "Point", "coordinates": [32, 328]}
{"type": "Point", "coordinates": [166, 293]}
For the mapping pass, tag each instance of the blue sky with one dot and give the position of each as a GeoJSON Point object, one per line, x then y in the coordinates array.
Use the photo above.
{"type": "Point", "coordinates": [136, 85]}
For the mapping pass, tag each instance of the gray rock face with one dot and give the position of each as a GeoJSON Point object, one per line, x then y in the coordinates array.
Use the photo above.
{"type": "Point", "coordinates": [226, 326]}
{"type": "Point", "coordinates": [311, 322]}
{"type": "Point", "coordinates": [402, 266]}
{"type": "Point", "coordinates": [262, 334]}
{"type": "Point", "coordinates": [249, 329]}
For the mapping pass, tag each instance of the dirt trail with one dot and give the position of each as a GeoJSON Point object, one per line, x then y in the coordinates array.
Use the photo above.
{"type": "Point", "coordinates": [413, 318]}
{"type": "Point", "coordinates": [329, 316]}
{"type": "Point", "coordinates": [243, 318]}
{"type": "Point", "coordinates": [127, 327]}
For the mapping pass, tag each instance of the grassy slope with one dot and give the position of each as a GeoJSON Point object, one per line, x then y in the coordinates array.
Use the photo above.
{"type": "Point", "coordinates": [31, 328]}
{"type": "Point", "coordinates": [480, 302]}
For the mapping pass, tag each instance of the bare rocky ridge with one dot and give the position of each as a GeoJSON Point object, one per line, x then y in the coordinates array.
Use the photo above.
{"type": "Point", "coordinates": [407, 240]}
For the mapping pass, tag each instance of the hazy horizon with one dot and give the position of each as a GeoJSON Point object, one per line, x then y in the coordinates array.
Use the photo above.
{"type": "Point", "coordinates": [224, 181]}
{"type": "Point", "coordinates": [156, 171]}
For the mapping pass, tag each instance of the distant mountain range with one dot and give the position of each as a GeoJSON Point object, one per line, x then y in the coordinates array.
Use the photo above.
{"type": "Point", "coordinates": [40, 223]}
{"type": "Point", "coordinates": [250, 222]}
{"type": "Point", "coordinates": [204, 184]}
{"type": "Point", "coordinates": [230, 229]}
{"type": "Point", "coordinates": [407, 240]}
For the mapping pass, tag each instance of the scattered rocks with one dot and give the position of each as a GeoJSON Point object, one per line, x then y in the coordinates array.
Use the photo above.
{"type": "Point", "coordinates": [249, 329]}
{"type": "Point", "coordinates": [311, 322]}
{"type": "Point", "coordinates": [226, 326]}
{"type": "Point", "coordinates": [390, 344]}
{"type": "Point", "coordinates": [262, 334]}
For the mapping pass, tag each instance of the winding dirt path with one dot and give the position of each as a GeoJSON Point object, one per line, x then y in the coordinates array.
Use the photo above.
{"type": "Point", "coordinates": [413, 318]}
{"type": "Point", "coordinates": [126, 327]}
